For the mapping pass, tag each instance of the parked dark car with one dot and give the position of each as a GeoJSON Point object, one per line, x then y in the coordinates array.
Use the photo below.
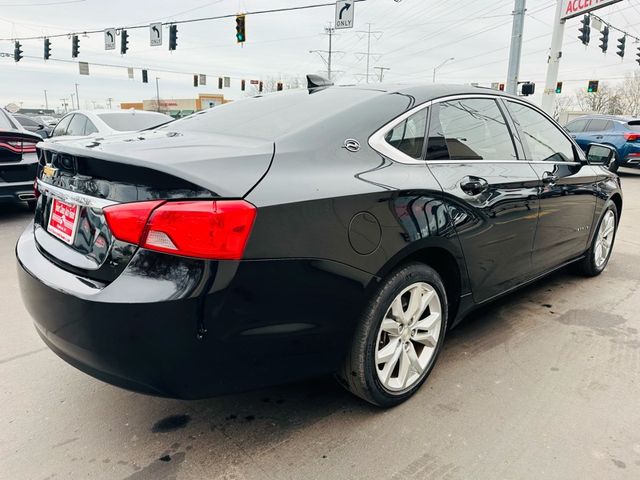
{"type": "Point", "coordinates": [32, 125]}
{"type": "Point", "coordinates": [621, 133]}
{"type": "Point", "coordinates": [303, 233]}
{"type": "Point", "coordinates": [18, 161]}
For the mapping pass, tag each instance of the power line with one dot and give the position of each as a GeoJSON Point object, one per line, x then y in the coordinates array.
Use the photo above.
{"type": "Point", "coordinates": [191, 20]}
{"type": "Point", "coordinates": [368, 33]}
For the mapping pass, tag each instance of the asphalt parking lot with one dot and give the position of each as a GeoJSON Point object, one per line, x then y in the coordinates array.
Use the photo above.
{"type": "Point", "coordinates": [542, 384]}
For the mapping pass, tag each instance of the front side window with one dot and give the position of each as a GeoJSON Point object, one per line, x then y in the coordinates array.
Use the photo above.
{"type": "Point", "coordinates": [61, 127]}
{"type": "Point", "coordinates": [408, 135]}
{"type": "Point", "coordinates": [76, 127]}
{"type": "Point", "coordinates": [546, 142]}
{"type": "Point", "coordinates": [469, 129]}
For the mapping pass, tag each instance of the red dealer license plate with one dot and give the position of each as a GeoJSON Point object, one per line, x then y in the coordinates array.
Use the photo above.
{"type": "Point", "coordinates": [63, 221]}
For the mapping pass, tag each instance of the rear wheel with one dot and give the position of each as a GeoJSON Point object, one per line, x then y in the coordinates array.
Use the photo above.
{"type": "Point", "coordinates": [598, 255]}
{"type": "Point", "coordinates": [399, 337]}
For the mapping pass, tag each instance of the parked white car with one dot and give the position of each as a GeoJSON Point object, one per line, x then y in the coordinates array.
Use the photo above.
{"type": "Point", "coordinates": [85, 123]}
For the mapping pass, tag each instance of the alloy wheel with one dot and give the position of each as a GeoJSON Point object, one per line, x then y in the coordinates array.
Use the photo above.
{"type": "Point", "coordinates": [604, 239]}
{"type": "Point", "coordinates": [408, 337]}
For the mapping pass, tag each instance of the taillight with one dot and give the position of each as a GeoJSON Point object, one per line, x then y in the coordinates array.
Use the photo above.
{"type": "Point", "coordinates": [632, 137]}
{"type": "Point", "coordinates": [19, 146]}
{"type": "Point", "coordinates": [211, 229]}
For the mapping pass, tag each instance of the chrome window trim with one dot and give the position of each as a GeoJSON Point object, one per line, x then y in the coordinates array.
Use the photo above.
{"type": "Point", "coordinates": [73, 197]}
{"type": "Point", "coordinates": [378, 143]}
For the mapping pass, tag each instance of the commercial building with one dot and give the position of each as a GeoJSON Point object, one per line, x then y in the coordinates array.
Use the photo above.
{"type": "Point", "coordinates": [178, 107]}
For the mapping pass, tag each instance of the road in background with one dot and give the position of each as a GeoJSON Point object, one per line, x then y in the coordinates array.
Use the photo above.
{"type": "Point", "coordinates": [542, 384]}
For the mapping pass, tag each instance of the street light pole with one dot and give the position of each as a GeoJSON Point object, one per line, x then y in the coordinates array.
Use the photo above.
{"type": "Point", "coordinates": [77, 97]}
{"type": "Point", "coordinates": [440, 66]}
{"type": "Point", "coordinates": [157, 95]}
{"type": "Point", "coordinates": [515, 51]}
{"type": "Point", "coordinates": [46, 101]}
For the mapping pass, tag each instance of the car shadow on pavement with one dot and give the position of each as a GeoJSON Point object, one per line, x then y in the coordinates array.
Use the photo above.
{"type": "Point", "coordinates": [11, 211]}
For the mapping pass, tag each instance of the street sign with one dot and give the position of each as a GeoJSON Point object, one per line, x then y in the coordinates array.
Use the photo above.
{"type": "Point", "coordinates": [254, 82]}
{"type": "Point", "coordinates": [110, 39]}
{"type": "Point", "coordinates": [203, 79]}
{"type": "Point", "coordinates": [344, 14]}
{"type": "Point", "coordinates": [574, 8]}
{"type": "Point", "coordinates": [130, 72]}
{"type": "Point", "coordinates": [227, 82]}
{"type": "Point", "coordinates": [83, 67]}
{"type": "Point", "coordinates": [155, 34]}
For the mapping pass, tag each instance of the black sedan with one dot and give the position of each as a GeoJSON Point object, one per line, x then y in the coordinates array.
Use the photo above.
{"type": "Point", "coordinates": [326, 230]}
{"type": "Point", "coordinates": [18, 161]}
{"type": "Point", "coordinates": [31, 124]}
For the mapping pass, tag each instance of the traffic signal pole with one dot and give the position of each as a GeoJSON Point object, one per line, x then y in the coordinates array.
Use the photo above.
{"type": "Point", "coordinates": [515, 51]}
{"type": "Point", "coordinates": [553, 66]}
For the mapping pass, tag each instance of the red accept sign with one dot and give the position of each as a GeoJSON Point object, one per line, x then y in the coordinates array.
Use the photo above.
{"type": "Point", "coordinates": [63, 221]}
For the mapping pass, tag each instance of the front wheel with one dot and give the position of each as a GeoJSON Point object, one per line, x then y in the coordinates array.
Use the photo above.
{"type": "Point", "coordinates": [399, 337]}
{"type": "Point", "coordinates": [599, 252]}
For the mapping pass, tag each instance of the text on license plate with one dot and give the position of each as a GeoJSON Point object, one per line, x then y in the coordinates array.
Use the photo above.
{"type": "Point", "coordinates": [63, 221]}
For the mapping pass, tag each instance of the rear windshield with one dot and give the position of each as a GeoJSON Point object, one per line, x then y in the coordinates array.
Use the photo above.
{"type": "Point", "coordinates": [126, 121]}
{"type": "Point", "coordinates": [272, 115]}
{"type": "Point", "coordinates": [634, 125]}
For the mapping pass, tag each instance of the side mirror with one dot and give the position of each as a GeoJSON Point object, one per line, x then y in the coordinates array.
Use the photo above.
{"type": "Point", "coordinates": [598, 154]}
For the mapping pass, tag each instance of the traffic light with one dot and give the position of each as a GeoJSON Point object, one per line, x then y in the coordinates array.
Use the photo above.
{"type": "Point", "coordinates": [75, 46]}
{"type": "Point", "coordinates": [621, 44]}
{"type": "Point", "coordinates": [260, 86]}
{"type": "Point", "coordinates": [593, 86]}
{"type": "Point", "coordinates": [279, 86]}
{"type": "Point", "coordinates": [559, 87]}
{"type": "Point", "coordinates": [638, 55]}
{"type": "Point", "coordinates": [604, 39]}
{"type": "Point", "coordinates": [528, 88]}
{"type": "Point", "coordinates": [195, 80]}
{"type": "Point", "coordinates": [585, 30]}
{"type": "Point", "coordinates": [173, 37]}
{"type": "Point", "coordinates": [243, 83]}
{"type": "Point", "coordinates": [501, 87]}
{"type": "Point", "coordinates": [240, 29]}
{"type": "Point", "coordinates": [145, 76]}
{"type": "Point", "coordinates": [124, 42]}
{"type": "Point", "coordinates": [220, 83]}
{"type": "Point", "coordinates": [47, 48]}
{"type": "Point", "coordinates": [17, 51]}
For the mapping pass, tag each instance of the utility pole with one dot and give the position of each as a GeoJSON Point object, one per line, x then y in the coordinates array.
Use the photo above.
{"type": "Point", "coordinates": [64, 104]}
{"type": "Point", "coordinates": [77, 97]}
{"type": "Point", "coordinates": [549, 94]}
{"type": "Point", "coordinates": [381, 70]}
{"type": "Point", "coordinates": [330, 31]}
{"type": "Point", "coordinates": [157, 95]}
{"type": "Point", "coordinates": [368, 33]}
{"type": "Point", "coordinates": [46, 101]}
{"type": "Point", "coordinates": [435, 69]}
{"type": "Point", "coordinates": [515, 52]}
{"type": "Point", "coordinates": [72, 104]}
{"type": "Point", "coordinates": [109, 100]}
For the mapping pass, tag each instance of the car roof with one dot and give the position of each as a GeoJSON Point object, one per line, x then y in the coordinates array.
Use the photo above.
{"type": "Point", "coordinates": [619, 118]}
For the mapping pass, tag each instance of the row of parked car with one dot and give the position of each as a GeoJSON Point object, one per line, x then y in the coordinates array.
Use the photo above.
{"type": "Point", "coordinates": [20, 133]}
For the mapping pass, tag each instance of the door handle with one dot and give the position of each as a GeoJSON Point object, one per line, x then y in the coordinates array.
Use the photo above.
{"type": "Point", "coordinates": [549, 178]}
{"type": "Point", "coordinates": [473, 185]}
{"type": "Point", "coordinates": [599, 137]}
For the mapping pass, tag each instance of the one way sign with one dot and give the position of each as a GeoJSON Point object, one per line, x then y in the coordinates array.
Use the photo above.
{"type": "Point", "coordinates": [344, 14]}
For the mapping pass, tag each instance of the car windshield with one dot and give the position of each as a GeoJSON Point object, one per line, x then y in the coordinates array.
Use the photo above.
{"type": "Point", "coordinates": [127, 121]}
{"type": "Point", "coordinates": [273, 115]}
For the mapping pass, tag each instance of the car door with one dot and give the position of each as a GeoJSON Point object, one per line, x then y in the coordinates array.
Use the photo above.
{"type": "Point", "coordinates": [577, 131]}
{"type": "Point", "coordinates": [568, 187]}
{"type": "Point", "coordinates": [599, 130]}
{"type": "Point", "coordinates": [491, 191]}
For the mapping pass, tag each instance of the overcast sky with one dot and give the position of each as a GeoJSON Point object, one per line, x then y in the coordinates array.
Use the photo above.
{"type": "Point", "coordinates": [416, 35]}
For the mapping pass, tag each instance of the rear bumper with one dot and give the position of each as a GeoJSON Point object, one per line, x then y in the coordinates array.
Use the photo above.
{"type": "Point", "coordinates": [16, 180]}
{"type": "Point", "coordinates": [17, 192]}
{"type": "Point", "coordinates": [266, 322]}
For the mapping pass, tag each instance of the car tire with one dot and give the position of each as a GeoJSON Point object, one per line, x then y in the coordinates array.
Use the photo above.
{"type": "Point", "coordinates": [31, 204]}
{"type": "Point", "coordinates": [418, 337]}
{"type": "Point", "coordinates": [595, 260]}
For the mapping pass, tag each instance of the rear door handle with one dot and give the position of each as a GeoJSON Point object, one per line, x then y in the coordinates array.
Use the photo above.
{"type": "Point", "coordinates": [549, 178]}
{"type": "Point", "coordinates": [473, 185]}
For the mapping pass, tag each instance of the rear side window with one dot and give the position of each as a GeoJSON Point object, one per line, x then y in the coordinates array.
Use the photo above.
{"type": "Point", "coordinates": [545, 141]}
{"type": "Point", "coordinates": [26, 122]}
{"type": "Point", "coordinates": [576, 126]}
{"type": "Point", "coordinates": [408, 136]}
{"type": "Point", "coordinates": [90, 128]}
{"type": "Point", "coordinates": [61, 127]}
{"type": "Point", "coordinates": [599, 125]}
{"type": "Point", "coordinates": [469, 129]}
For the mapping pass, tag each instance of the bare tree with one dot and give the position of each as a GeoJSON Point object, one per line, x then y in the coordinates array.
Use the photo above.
{"type": "Point", "coordinates": [602, 101]}
{"type": "Point", "coordinates": [629, 95]}
{"type": "Point", "coordinates": [270, 84]}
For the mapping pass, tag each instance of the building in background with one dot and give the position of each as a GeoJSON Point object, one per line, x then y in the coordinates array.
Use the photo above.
{"type": "Point", "coordinates": [178, 107]}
